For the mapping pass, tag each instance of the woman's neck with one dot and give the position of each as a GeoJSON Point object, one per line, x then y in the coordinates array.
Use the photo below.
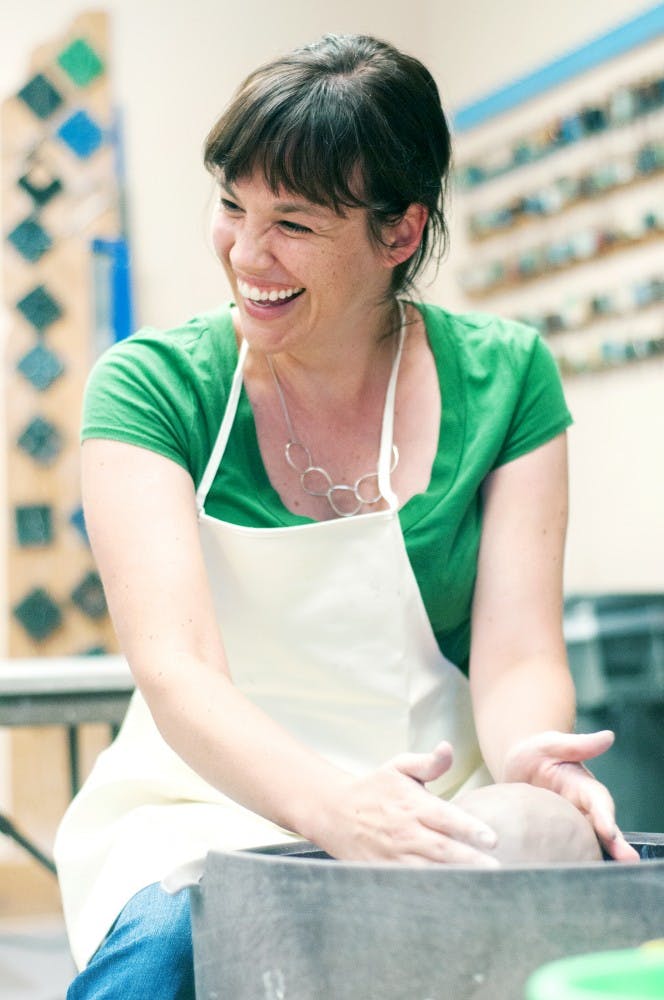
{"type": "Point", "coordinates": [342, 368]}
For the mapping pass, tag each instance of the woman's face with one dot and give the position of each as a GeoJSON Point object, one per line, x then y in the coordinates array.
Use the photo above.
{"type": "Point", "coordinates": [300, 273]}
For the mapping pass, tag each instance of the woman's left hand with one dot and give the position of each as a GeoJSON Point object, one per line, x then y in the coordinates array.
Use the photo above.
{"type": "Point", "coordinates": [554, 760]}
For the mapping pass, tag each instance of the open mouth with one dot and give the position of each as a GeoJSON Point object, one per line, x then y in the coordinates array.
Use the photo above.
{"type": "Point", "coordinates": [268, 297]}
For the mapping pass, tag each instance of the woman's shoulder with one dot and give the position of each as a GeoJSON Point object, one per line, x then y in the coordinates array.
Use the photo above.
{"type": "Point", "coordinates": [483, 338]}
{"type": "Point", "coordinates": [164, 389]}
{"type": "Point", "coordinates": [505, 376]}
{"type": "Point", "coordinates": [203, 338]}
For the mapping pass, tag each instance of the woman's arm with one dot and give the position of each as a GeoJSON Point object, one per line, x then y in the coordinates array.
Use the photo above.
{"type": "Point", "coordinates": [141, 517]}
{"type": "Point", "coordinates": [523, 693]}
{"type": "Point", "coordinates": [519, 676]}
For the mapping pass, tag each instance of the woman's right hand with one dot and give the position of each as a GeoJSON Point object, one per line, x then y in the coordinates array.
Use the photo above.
{"type": "Point", "coordinates": [389, 815]}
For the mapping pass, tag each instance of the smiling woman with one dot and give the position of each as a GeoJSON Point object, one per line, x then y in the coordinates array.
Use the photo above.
{"type": "Point", "coordinates": [330, 523]}
{"type": "Point", "coordinates": [342, 128]}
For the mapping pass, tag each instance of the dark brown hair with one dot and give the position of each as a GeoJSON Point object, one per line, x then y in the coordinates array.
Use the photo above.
{"type": "Point", "coordinates": [349, 121]}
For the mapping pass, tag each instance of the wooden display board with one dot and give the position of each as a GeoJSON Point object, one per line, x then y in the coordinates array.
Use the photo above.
{"type": "Point", "coordinates": [60, 193]}
{"type": "Point", "coordinates": [66, 292]}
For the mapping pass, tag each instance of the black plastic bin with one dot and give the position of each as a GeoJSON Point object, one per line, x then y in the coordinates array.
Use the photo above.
{"type": "Point", "coordinates": [615, 644]}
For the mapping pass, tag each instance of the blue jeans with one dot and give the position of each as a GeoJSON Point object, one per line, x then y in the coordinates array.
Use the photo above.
{"type": "Point", "coordinates": [147, 953]}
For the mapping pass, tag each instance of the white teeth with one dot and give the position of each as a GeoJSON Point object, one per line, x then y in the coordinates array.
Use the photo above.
{"type": "Point", "coordinates": [266, 295]}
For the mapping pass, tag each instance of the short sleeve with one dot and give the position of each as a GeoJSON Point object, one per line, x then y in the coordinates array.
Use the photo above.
{"type": "Point", "coordinates": [138, 392]}
{"type": "Point", "coordinates": [540, 412]}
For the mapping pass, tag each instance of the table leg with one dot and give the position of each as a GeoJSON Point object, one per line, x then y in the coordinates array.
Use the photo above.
{"type": "Point", "coordinates": [8, 828]}
{"type": "Point", "coordinates": [74, 760]}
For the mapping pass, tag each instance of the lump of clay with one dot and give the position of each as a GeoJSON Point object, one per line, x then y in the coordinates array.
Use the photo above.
{"type": "Point", "coordinates": [533, 825]}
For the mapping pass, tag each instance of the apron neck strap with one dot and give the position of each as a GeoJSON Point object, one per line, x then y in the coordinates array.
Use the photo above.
{"type": "Point", "coordinates": [224, 430]}
{"type": "Point", "coordinates": [387, 431]}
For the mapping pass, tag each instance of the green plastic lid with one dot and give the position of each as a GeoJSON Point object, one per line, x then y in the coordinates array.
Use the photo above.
{"type": "Point", "coordinates": [630, 974]}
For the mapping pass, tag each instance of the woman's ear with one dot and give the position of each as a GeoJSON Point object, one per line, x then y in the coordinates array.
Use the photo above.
{"type": "Point", "coordinates": [402, 238]}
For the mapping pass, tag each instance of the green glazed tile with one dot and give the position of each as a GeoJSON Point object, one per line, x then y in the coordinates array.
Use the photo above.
{"type": "Point", "coordinates": [40, 96]}
{"type": "Point", "coordinates": [41, 440]}
{"type": "Point", "coordinates": [34, 525]}
{"type": "Point", "coordinates": [30, 239]}
{"type": "Point", "coordinates": [40, 188]}
{"type": "Point", "coordinates": [38, 614]}
{"type": "Point", "coordinates": [39, 308]}
{"type": "Point", "coordinates": [41, 367]}
{"type": "Point", "coordinates": [89, 596]}
{"type": "Point", "coordinates": [81, 63]}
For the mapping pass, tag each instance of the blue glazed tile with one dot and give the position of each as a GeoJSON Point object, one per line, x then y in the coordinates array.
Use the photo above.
{"type": "Point", "coordinates": [89, 596]}
{"type": "Point", "coordinates": [41, 367]}
{"type": "Point", "coordinates": [34, 525]}
{"type": "Point", "coordinates": [81, 134]}
{"type": "Point", "coordinates": [41, 440]}
{"type": "Point", "coordinates": [39, 614]}
{"type": "Point", "coordinates": [39, 308]}
{"type": "Point", "coordinates": [30, 239]}
{"type": "Point", "coordinates": [77, 519]}
{"type": "Point", "coordinates": [40, 96]}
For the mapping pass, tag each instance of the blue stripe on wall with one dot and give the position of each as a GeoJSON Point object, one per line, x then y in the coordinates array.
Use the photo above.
{"type": "Point", "coordinates": [621, 39]}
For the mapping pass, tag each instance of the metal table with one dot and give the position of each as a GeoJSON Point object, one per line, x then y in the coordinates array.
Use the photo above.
{"type": "Point", "coordinates": [62, 691]}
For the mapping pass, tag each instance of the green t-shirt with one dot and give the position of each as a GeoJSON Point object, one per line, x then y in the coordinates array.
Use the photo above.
{"type": "Point", "coordinates": [501, 397]}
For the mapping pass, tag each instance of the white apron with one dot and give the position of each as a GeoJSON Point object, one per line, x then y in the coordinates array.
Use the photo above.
{"type": "Point", "coordinates": [325, 629]}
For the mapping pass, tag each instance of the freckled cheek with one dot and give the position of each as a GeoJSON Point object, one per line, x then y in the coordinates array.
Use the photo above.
{"type": "Point", "coordinates": [345, 274]}
{"type": "Point", "coordinates": [222, 239]}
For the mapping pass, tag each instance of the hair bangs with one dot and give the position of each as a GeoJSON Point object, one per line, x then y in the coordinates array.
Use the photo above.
{"type": "Point", "coordinates": [300, 147]}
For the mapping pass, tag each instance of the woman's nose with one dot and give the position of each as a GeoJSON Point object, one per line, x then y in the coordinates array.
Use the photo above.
{"type": "Point", "coordinates": [250, 251]}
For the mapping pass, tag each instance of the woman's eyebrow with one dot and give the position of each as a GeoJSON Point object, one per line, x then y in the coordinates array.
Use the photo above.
{"type": "Point", "coordinates": [228, 188]}
{"type": "Point", "coordinates": [286, 207]}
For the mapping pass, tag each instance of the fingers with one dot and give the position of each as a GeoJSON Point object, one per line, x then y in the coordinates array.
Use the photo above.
{"type": "Point", "coordinates": [446, 834]}
{"type": "Point", "coordinates": [424, 767]}
{"type": "Point", "coordinates": [389, 815]}
{"type": "Point", "coordinates": [460, 838]}
{"type": "Point", "coordinates": [585, 746]}
{"type": "Point", "coordinates": [531, 758]}
{"type": "Point", "coordinates": [576, 747]}
{"type": "Point", "coordinates": [465, 830]}
{"type": "Point", "coordinates": [620, 850]}
{"type": "Point", "coordinates": [601, 812]}
{"type": "Point", "coordinates": [595, 800]}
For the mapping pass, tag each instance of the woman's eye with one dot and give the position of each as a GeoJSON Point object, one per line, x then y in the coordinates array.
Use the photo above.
{"type": "Point", "coordinates": [229, 206]}
{"type": "Point", "coordinates": [294, 227]}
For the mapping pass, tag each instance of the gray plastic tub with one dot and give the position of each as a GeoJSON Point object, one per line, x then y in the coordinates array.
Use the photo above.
{"type": "Point", "coordinates": [298, 926]}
